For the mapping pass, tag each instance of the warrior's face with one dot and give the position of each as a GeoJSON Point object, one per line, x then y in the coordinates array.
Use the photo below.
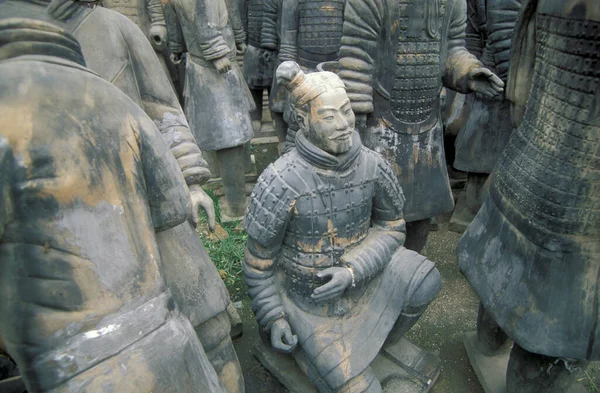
{"type": "Point", "coordinates": [330, 122]}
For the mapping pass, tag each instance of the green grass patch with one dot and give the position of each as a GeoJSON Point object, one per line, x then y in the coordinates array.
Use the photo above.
{"type": "Point", "coordinates": [226, 254]}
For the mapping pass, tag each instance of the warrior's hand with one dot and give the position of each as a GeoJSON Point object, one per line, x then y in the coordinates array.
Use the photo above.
{"type": "Point", "coordinates": [158, 36]}
{"type": "Point", "coordinates": [201, 198]}
{"type": "Point", "coordinates": [282, 338]}
{"type": "Point", "coordinates": [484, 81]}
{"type": "Point", "coordinates": [341, 278]}
{"type": "Point", "coordinates": [222, 64]}
{"type": "Point", "coordinates": [176, 58]}
{"type": "Point", "coordinates": [241, 48]}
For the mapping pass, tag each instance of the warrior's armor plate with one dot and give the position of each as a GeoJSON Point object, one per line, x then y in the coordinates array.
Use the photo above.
{"type": "Point", "coordinates": [255, 21]}
{"type": "Point", "coordinates": [417, 85]}
{"type": "Point", "coordinates": [532, 252]}
{"type": "Point", "coordinates": [319, 30]}
{"type": "Point", "coordinates": [550, 166]}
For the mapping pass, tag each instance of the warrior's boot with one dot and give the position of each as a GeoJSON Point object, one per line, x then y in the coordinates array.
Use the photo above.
{"type": "Point", "coordinates": [532, 373]}
{"type": "Point", "coordinates": [490, 336]}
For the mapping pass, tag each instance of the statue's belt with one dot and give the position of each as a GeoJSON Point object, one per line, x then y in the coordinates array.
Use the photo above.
{"type": "Point", "coordinates": [110, 337]}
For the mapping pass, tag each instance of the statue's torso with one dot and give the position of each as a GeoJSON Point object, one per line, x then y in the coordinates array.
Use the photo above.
{"type": "Point", "coordinates": [320, 25]}
{"type": "Point", "coordinates": [255, 16]}
{"type": "Point", "coordinates": [415, 58]}
{"type": "Point", "coordinates": [133, 9]}
{"type": "Point", "coordinates": [332, 214]}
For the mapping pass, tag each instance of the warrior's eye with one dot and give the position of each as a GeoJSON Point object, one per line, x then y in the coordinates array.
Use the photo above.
{"type": "Point", "coordinates": [329, 118]}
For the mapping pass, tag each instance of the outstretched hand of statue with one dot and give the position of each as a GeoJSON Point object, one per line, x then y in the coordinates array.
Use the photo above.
{"type": "Point", "coordinates": [158, 36]}
{"type": "Point", "coordinates": [201, 198]}
{"type": "Point", "coordinates": [484, 81]}
{"type": "Point", "coordinates": [222, 64]}
{"type": "Point", "coordinates": [282, 338]}
{"type": "Point", "coordinates": [341, 278]}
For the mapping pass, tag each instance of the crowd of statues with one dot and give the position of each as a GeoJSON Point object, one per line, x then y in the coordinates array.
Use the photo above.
{"type": "Point", "coordinates": [108, 108]}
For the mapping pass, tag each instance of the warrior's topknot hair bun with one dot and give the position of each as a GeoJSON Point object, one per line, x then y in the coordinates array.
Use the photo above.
{"type": "Point", "coordinates": [289, 75]}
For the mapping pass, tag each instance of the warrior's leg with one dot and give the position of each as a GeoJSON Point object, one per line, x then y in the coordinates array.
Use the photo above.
{"type": "Point", "coordinates": [417, 233]}
{"type": "Point", "coordinates": [256, 115]}
{"type": "Point", "coordinates": [416, 306]}
{"type": "Point", "coordinates": [232, 168]}
{"type": "Point", "coordinates": [214, 336]}
{"type": "Point", "coordinates": [366, 382]}
{"type": "Point", "coordinates": [532, 373]}
{"type": "Point", "coordinates": [489, 335]}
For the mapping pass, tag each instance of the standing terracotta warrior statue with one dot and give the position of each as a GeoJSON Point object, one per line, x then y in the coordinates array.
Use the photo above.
{"type": "Point", "coordinates": [532, 254]}
{"type": "Point", "coordinates": [84, 306]}
{"type": "Point", "coordinates": [259, 60]}
{"type": "Point", "coordinates": [217, 100]}
{"type": "Point", "coordinates": [395, 57]}
{"type": "Point", "coordinates": [488, 125]}
{"type": "Point", "coordinates": [324, 254]}
{"type": "Point", "coordinates": [310, 33]}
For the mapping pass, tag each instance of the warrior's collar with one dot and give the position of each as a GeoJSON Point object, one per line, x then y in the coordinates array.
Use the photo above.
{"type": "Point", "coordinates": [324, 160]}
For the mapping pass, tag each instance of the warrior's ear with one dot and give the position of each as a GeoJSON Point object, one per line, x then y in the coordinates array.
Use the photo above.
{"type": "Point", "coordinates": [302, 119]}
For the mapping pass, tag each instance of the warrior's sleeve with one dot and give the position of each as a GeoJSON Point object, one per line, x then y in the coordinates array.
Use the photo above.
{"type": "Point", "coordinates": [6, 171]}
{"type": "Point", "coordinates": [363, 21]}
{"type": "Point", "coordinates": [388, 230]}
{"type": "Point", "coordinates": [175, 38]}
{"type": "Point", "coordinates": [206, 30]}
{"type": "Point", "coordinates": [502, 18]}
{"type": "Point", "coordinates": [155, 10]}
{"type": "Point", "coordinates": [168, 196]}
{"type": "Point", "coordinates": [288, 46]}
{"type": "Point", "coordinates": [271, 204]}
{"type": "Point", "coordinates": [160, 104]}
{"type": "Point", "coordinates": [235, 19]}
{"type": "Point", "coordinates": [459, 62]}
{"type": "Point", "coordinates": [269, 36]}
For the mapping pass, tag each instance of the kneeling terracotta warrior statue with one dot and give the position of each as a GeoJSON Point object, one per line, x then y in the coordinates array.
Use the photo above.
{"type": "Point", "coordinates": [324, 264]}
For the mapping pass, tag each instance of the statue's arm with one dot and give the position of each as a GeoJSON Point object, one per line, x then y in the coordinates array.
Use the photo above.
{"type": "Point", "coordinates": [502, 18]}
{"type": "Point", "coordinates": [175, 36]}
{"type": "Point", "coordinates": [459, 62]}
{"type": "Point", "coordinates": [271, 204]}
{"type": "Point", "coordinates": [388, 231]}
{"type": "Point", "coordinates": [258, 268]}
{"type": "Point", "coordinates": [168, 197]}
{"type": "Point", "coordinates": [155, 10]}
{"type": "Point", "coordinates": [363, 21]}
{"type": "Point", "coordinates": [160, 104]}
{"type": "Point", "coordinates": [269, 36]}
{"type": "Point", "coordinates": [235, 19]}
{"type": "Point", "coordinates": [288, 46]}
{"type": "Point", "coordinates": [206, 30]}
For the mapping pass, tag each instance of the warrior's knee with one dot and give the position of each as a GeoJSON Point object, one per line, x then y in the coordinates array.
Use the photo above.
{"type": "Point", "coordinates": [425, 293]}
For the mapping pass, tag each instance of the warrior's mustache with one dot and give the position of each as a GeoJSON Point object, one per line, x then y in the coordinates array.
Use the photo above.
{"type": "Point", "coordinates": [341, 134]}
